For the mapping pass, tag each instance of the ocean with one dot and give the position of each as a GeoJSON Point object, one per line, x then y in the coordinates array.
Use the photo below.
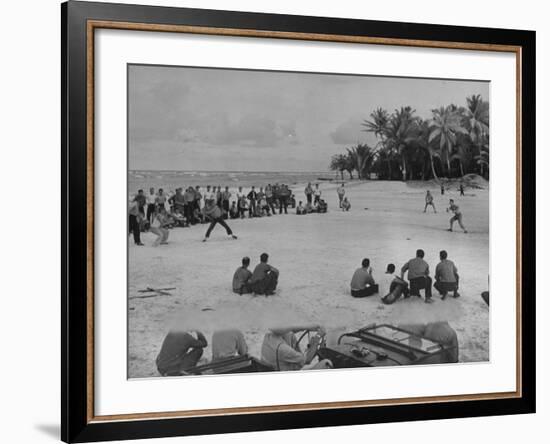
{"type": "Point", "coordinates": [170, 180]}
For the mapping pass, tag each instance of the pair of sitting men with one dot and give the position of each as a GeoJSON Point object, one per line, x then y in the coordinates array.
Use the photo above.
{"type": "Point", "coordinates": [446, 276]}
{"type": "Point", "coordinates": [263, 280]}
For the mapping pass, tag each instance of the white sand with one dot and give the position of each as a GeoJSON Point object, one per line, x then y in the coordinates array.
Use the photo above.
{"type": "Point", "coordinates": [316, 255]}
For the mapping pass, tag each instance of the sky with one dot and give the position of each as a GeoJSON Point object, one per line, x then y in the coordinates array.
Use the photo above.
{"type": "Point", "coordinates": [208, 119]}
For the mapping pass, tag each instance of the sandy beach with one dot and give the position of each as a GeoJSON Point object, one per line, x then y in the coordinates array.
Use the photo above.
{"type": "Point", "coordinates": [316, 255]}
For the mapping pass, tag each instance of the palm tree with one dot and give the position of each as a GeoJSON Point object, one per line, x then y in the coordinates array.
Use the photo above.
{"type": "Point", "coordinates": [445, 127]}
{"type": "Point", "coordinates": [379, 127]}
{"type": "Point", "coordinates": [349, 165]}
{"type": "Point", "coordinates": [401, 132]}
{"type": "Point", "coordinates": [476, 121]}
{"type": "Point", "coordinates": [338, 162]}
{"type": "Point", "coordinates": [423, 141]}
{"type": "Point", "coordinates": [362, 157]}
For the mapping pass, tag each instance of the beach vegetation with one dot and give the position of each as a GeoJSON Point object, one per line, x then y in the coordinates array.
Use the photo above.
{"type": "Point", "coordinates": [452, 142]}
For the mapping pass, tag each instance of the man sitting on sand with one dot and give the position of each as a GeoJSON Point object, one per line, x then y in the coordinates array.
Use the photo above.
{"type": "Point", "coordinates": [457, 215]}
{"type": "Point", "coordinates": [227, 344]}
{"type": "Point", "coordinates": [281, 350]}
{"type": "Point", "coordinates": [300, 209]}
{"type": "Point", "coordinates": [418, 276]}
{"type": "Point", "coordinates": [321, 206]}
{"type": "Point", "coordinates": [362, 282]}
{"type": "Point", "coordinates": [346, 204]}
{"type": "Point", "coordinates": [391, 286]}
{"type": "Point", "coordinates": [241, 278]}
{"type": "Point", "coordinates": [429, 201]}
{"type": "Point", "coordinates": [234, 211]}
{"type": "Point", "coordinates": [265, 277]}
{"type": "Point", "coordinates": [180, 351]}
{"type": "Point", "coordinates": [446, 276]}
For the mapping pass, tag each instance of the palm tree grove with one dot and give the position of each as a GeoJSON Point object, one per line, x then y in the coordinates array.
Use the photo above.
{"type": "Point", "coordinates": [452, 143]}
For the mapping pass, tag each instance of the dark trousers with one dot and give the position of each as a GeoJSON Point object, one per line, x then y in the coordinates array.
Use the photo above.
{"type": "Point", "coordinates": [444, 287]}
{"type": "Point", "coordinates": [151, 212]}
{"type": "Point", "coordinates": [270, 204]}
{"type": "Point", "coordinates": [421, 283]}
{"type": "Point", "coordinates": [134, 228]}
{"type": "Point", "coordinates": [241, 212]}
{"type": "Point", "coordinates": [188, 360]}
{"type": "Point", "coordinates": [397, 288]}
{"type": "Point", "coordinates": [367, 291]}
{"type": "Point", "coordinates": [188, 213]}
{"type": "Point", "coordinates": [308, 197]}
{"type": "Point", "coordinates": [283, 204]}
{"type": "Point", "coordinates": [252, 208]}
{"type": "Point", "coordinates": [220, 221]}
{"type": "Point", "coordinates": [266, 286]}
{"type": "Point", "coordinates": [225, 208]}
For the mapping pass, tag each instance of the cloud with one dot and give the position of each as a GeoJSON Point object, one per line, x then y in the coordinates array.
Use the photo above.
{"type": "Point", "coordinates": [249, 131]}
{"type": "Point", "coordinates": [347, 132]}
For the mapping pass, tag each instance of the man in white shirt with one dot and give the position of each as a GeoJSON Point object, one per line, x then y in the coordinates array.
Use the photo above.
{"type": "Point", "coordinates": [392, 286]}
{"type": "Point", "coordinates": [150, 204]}
{"type": "Point", "coordinates": [316, 194]}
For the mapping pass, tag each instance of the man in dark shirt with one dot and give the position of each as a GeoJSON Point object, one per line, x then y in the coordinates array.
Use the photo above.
{"type": "Point", "coordinates": [418, 276]}
{"type": "Point", "coordinates": [252, 196]}
{"type": "Point", "coordinates": [141, 200]}
{"type": "Point", "coordinates": [226, 195]}
{"type": "Point", "coordinates": [189, 201]}
{"type": "Point", "coordinates": [242, 277]}
{"type": "Point", "coordinates": [180, 351]}
{"type": "Point", "coordinates": [284, 195]}
{"type": "Point", "coordinates": [264, 278]}
{"type": "Point", "coordinates": [446, 276]}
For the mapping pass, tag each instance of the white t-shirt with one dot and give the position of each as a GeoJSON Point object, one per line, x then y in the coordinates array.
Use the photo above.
{"type": "Point", "coordinates": [317, 192]}
{"type": "Point", "coordinates": [384, 284]}
{"type": "Point", "coordinates": [150, 199]}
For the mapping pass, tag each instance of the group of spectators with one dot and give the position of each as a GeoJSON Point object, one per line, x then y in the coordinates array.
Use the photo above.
{"type": "Point", "coordinates": [391, 287]}
{"type": "Point", "coordinates": [157, 211]}
{"type": "Point", "coordinates": [182, 350]}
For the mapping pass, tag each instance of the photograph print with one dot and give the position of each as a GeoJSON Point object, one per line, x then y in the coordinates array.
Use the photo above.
{"type": "Point", "coordinates": [294, 221]}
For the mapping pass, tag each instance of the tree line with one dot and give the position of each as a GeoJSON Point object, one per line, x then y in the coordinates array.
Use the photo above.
{"type": "Point", "coordinates": [452, 143]}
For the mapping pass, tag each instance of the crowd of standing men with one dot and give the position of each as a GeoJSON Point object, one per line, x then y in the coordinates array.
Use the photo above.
{"type": "Point", "coordinates": [158, 211]}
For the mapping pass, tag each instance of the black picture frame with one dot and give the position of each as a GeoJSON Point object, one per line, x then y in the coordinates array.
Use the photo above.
{"type": "Point", "coordinates": [76, 423]}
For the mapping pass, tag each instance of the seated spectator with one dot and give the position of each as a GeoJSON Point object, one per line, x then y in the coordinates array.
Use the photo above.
{"type": "Point", "coordinates": [180, 351]}
{"type": "Point", "coordinates": [392, 286]}
{"type": "Point", "coordinates": [264, 278]}
{"type": "Point", "coordinates": [446, 276]}
{"type": "Point", "coordinates": [281, 350]}
{"type": "Point", "coordinates": [243, 206]}
{"type": "Point", "coordinates": [418, 276]}
{"type": "Point", "coordinates": [227, 344]}
{"type": "Point", "coordinates": [346, 205]}
{"type": "Point", "coordinates": [362, 282]}
{"type": "Point", "coordinates": [300, 209]}
{"type": "Point", "coordinates": [234, 211]}
{"type": "Point", "coordinates": [241, 278]}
